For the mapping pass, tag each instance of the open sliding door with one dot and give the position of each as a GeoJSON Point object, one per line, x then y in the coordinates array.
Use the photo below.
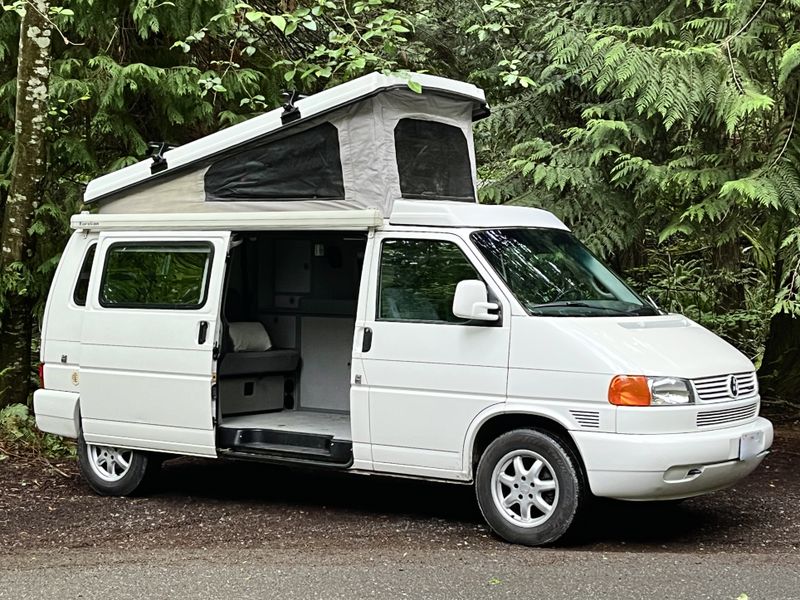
{"type": "Point", "coordinates": [148, 338]}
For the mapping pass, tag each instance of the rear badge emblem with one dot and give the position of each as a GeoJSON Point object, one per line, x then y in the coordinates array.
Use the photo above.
{"type": "Point", "coordinates": [733, 386]}
{"type": "Point", "coordinates": [75, 379]}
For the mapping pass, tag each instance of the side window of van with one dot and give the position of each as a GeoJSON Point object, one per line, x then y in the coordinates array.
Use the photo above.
{"type": "Point", "coordinates": [82, 285]}
{"type": "Point", "coordinates": [418, 280]}
{"type": "Point", "coordinates": [156, 275]}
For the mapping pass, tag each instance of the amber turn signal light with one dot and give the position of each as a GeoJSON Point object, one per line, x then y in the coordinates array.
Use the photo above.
{"type": "Point", "coordinates": [629, 390]}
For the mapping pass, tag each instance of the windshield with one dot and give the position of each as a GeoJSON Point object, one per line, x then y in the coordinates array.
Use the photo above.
{"type": "Point", "coordinates": [551, 273]}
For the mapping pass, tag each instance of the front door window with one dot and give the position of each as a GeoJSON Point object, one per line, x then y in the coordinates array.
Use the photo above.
{"type": "Point", "coordinates": [418, 280]}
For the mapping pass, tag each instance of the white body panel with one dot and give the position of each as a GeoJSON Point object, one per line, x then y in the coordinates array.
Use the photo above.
{"type": "Point", "coordinates": [145, 379]}
{"type": "Point", "coordinates": [63, 319]}
{"type": "Point", "coordinates": [435, 213]}
{"type": "Point", "coordinates": [669, 345]}
{"type": "Point", "coordinates": [427, 381]}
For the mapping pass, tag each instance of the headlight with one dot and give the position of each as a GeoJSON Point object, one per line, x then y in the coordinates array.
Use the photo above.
{"type": "Point", "coordinates": [637, 390]}
{"type": "Point", "coordinates": [670, 391]}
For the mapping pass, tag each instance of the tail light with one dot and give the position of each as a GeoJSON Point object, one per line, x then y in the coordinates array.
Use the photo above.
{"type": "Point", "coordinates": [41, 376]}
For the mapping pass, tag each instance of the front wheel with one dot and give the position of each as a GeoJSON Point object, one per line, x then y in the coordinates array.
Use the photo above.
{"type": "Point", "coordinates": [529, 487]}
{"type": "Point", "coordinates": [113, 471]}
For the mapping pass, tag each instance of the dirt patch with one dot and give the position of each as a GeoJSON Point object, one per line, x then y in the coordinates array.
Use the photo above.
{"type": "Point", "coordinates": [202, 504]}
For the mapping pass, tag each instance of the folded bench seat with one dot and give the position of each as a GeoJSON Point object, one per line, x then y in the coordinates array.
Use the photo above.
{"type": "Point", "coordinates": [252, 353]}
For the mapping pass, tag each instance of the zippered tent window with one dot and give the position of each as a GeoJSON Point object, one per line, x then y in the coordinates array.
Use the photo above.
{"type": "Point", "coordinates": [433, 161]}
{"type": "Point", "coordinates": [305, 165]}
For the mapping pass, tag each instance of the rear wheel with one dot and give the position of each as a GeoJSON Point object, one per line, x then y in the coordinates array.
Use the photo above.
{"type": "Point", "coordinates": [529, 487]}
{"type": "Point", "coordinates": [114, 471]}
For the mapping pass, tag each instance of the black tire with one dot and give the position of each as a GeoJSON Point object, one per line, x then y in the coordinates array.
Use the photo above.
{"type": "Point", "coordinates": [560, 465]}
{"type": "Point", "coordinates": [136, 479]}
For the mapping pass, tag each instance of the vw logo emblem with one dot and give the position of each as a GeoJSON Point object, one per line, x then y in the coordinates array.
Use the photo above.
{"type": "Point", "coordinates": [733, 386]}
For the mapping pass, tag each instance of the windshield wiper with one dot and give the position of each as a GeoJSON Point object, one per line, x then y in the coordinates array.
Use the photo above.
{"type": "Point", "coordinates": [645, 311]}
{"type": "Point", "coordinates": [574, 304]}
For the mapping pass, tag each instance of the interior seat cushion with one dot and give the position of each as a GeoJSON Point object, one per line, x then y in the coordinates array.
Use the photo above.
{"type": "Point", "coordinates": [249, 337]}
{"type": "Point", "coordinates": [259, 363]}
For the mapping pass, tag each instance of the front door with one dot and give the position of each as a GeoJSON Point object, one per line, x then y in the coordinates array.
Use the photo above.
{"type": "Point", "coordinates": [147, 344]}
{"type": "Point", "coordinates": [429, 373]}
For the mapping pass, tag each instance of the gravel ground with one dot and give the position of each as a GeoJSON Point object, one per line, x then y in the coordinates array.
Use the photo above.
{"type": "Point", "coordinates": [294, 526]}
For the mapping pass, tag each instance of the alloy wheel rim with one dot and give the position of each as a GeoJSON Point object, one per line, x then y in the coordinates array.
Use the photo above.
{"type": "Point", "coordinates": [110, 464]}
{"type": "Point", "coordinates": [524, 488]}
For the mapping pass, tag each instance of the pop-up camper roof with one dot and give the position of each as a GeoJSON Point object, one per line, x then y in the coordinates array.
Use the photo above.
{"type": "Point", "coordinates": [362, 144]}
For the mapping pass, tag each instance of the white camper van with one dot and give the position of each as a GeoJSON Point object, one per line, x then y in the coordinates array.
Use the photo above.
{"type": "Point", "coordinates": [319, 287]}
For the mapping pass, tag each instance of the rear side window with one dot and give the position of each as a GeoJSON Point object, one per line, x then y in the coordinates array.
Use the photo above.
{"type": "Point", "coordinates": [82, 285]}
{"type": "Point", "coordinates": [418, 280]}
{"type": "Point", "coordinates": [433, 161]}
{"type": "Point", "coordinates": [151, 275]}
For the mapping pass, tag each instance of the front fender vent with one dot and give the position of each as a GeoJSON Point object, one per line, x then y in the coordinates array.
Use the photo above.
{"type": "Point", "coordinates": [589, 419]}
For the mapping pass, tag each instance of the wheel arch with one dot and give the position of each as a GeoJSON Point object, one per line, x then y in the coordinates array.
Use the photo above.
{"type": "Point", "coordinates": [493, 423]}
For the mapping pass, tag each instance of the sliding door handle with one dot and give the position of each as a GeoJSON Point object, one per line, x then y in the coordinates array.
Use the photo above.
{"type": "Point", "coordinates": [366, 341]}
{"type": "Point", "coordinates": [203, 333]}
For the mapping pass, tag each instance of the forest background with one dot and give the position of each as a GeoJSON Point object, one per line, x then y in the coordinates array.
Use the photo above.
{"type": "Point", "coordinates": [665, 133]}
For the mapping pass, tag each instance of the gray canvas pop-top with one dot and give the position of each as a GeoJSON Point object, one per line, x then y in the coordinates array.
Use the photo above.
{"type": "Point", "coordinates": [362, 144]}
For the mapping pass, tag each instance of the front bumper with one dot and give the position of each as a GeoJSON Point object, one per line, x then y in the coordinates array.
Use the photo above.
{"type": "Point", "coordinates": [669, 466]}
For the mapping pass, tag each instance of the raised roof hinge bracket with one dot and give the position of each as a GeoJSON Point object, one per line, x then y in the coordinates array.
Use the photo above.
{"type": "Point", "coordinates": [157, 150]}
{"type": "Point", "coordinates": [290, 111]}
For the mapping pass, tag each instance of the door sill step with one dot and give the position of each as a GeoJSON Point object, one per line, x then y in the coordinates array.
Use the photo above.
{"type": "Point", "coordinates": [278, 445]}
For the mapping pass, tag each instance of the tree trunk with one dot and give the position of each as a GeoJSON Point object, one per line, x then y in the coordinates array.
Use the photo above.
{"type": "Point", "coordinates": [780, 369]}
{"type": "Point", "coordinates": [727, 261]}
{"type": "Point", "coordinates": [28, 169]}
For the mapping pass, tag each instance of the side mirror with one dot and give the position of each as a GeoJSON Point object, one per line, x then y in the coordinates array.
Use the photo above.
{"type": "Point", "coordinates": [471, 301]}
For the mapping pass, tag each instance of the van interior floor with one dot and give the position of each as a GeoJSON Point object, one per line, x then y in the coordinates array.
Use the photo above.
{"type": "Point", "coordinates": [302, 436]}
{"type": "Point", "coordinates": [295, 421]}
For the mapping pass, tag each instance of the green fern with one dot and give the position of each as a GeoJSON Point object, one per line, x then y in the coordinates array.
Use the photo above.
{"type": "Point", "coordinates": [789, 62]}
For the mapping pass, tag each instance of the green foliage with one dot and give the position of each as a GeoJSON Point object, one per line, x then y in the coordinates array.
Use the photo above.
{"type": "Point", "coordinates": [313, 40]}
{"type": "Point", "coordinates": [679, 278]}
{"type": "Point", "coordinates": [672, 117]}
{"type": "Point", "coordinates": [789, 62]}
{"type": "Point", "coordinates": [19, 436]}
{"type": "Point", "coordinates": [115, 86]}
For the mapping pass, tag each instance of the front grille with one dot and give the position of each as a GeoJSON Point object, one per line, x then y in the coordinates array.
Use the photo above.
{"type": "Point", "coordinates": [718, 387]}
{"type": "Point", "coordinates": [706, 418]}
{"type": "Point", "coordinates": [587, 418]}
